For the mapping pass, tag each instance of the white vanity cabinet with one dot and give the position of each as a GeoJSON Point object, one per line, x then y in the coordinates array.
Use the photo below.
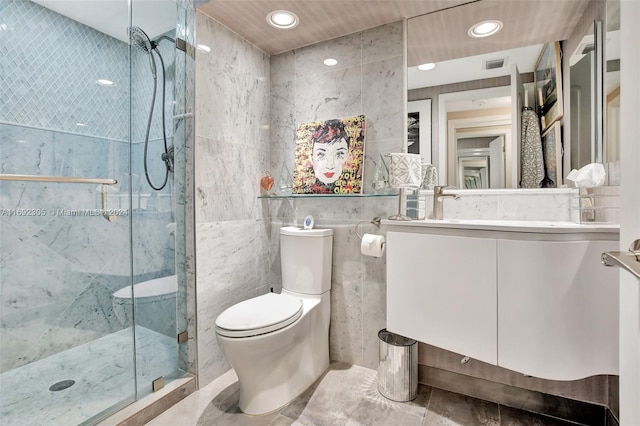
{"type": "Point", "coordinates": [442, 290]}
{"type": "Point", "coordinates": [557, 308]}
{"type": "Point", "coordinates": [532, 299]}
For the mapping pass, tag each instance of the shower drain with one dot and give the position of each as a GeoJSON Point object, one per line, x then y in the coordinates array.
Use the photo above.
{"type": "Point", "coordinates": [61, 385]}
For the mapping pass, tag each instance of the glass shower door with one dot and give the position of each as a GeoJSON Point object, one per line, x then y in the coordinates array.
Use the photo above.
{"type": "Point", "coordinates": [66, 349]}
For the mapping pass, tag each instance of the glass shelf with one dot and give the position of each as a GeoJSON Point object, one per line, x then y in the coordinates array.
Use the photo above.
{"type": "Point", "coordinates": [295, 196]}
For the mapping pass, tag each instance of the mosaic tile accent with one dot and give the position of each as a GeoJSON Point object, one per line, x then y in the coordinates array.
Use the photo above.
{"type": "Point", "coordinates": [51, 63]}
{"type": "Point", "coordinates": [50, 66]}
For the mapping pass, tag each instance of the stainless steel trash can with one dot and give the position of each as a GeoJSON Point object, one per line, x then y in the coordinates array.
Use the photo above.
{"type": "Point", "coordinates": [398, 367]}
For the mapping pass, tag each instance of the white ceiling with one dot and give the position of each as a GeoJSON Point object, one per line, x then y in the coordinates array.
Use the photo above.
{"type": "Point", "coordinates": [472, 67]}
{"type": "Point", "coordinates": [111, 17]}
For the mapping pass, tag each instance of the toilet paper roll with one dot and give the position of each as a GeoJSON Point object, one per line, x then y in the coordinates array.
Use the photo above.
{"type": "Point", "coordinates": [372, 245]}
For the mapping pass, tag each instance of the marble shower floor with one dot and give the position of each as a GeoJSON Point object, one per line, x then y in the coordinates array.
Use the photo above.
{"type": "Point", "coordinates": [103, 374]}
{"type": "Point", "coordinates": [345, 395]}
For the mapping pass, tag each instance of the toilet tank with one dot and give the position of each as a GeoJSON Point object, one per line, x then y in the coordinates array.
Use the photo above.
{"type": "Point", "coordinates": [306, 259]}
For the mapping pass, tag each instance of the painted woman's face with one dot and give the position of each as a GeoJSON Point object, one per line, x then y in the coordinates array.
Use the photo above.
{"type": "Point", "coordinates": [328, 160]}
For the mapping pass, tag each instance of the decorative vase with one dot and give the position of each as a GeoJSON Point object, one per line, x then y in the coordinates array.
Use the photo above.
{"type": "Point", "coordinates": [380, 183]}
{"type": "Point", "coordinates": [285, 181]}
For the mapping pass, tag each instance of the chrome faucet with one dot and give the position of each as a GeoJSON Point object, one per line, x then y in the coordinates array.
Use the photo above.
{"type": "Point", "coordinates": [438, 198]}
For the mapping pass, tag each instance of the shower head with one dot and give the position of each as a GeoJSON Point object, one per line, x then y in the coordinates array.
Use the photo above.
{"type": "Point", "coordinates": [140, 39]}
{"type": "Point", "coordinates": [143, 43]}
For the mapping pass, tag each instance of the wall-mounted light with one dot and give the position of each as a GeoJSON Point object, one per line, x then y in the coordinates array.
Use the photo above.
{"type": "Point", "coordinates": [485, 28]}
{"type": "Point", "coordinates": [104, 82]}
{"type": "Point", "coordinates": [330, 62]}
{"type": "Point", "coordinates": [283, 19]}
{"type": "Point", "coordinates": [426, 67]}
{"type": "Point", "coordinates": [203, 47]}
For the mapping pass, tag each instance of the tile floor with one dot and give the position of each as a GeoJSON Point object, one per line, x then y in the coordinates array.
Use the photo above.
{"type": "Point", "coordinates": [345, 395]}
{"type": "Point", "coordinates": [103, 375]}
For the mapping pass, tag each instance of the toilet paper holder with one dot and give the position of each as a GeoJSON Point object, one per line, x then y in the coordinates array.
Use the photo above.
{"type": "Point", "coordinates": [375, 221]}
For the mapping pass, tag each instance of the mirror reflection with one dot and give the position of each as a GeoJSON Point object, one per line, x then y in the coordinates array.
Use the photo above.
{"type": "Point", "coordinates": [479, 90]}
{"type": "Point", "coordinates": [582, 64]}
{"type": "Point", "coordinates": [612, 91]}
{"type": "Point", "coordinates": [477, 123]}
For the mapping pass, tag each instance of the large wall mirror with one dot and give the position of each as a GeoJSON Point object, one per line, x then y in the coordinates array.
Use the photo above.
{"type": "Point", "coordinates": [480, 88]}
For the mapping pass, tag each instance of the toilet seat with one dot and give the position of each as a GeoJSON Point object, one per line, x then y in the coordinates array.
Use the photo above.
{"type": "Point", "coordinates": [259, 315]}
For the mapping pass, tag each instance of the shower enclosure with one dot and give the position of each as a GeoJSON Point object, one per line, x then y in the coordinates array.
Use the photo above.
{"type": "Point", "coordinates": [84, 237]}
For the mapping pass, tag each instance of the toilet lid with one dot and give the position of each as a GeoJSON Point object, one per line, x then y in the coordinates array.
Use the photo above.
{"type": "Point", "coordinates": [259, 315]}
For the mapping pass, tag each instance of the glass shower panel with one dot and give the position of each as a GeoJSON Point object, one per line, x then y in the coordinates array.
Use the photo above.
{"type": "Point", "coordinates": [66, 347]}
{"type": "Point", "coordinates": [155, 82]}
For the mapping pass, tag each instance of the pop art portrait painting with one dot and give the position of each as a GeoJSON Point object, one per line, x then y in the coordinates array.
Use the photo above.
{"type": "Point", "coordinates": [329, 157]}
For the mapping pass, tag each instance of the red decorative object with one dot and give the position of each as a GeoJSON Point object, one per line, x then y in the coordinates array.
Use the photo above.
{"type": "Point", "coordinates": [266, 183]}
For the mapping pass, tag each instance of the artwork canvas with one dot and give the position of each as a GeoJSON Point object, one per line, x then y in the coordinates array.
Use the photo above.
{"type": "Point", "coordinates": [552, 153]}
{"type": "Point", "coordinates": [548, 83]}
{"type": "Point", "coordinates": [329, 157]}
{"type": "Point", "coordinates": [419, 128]}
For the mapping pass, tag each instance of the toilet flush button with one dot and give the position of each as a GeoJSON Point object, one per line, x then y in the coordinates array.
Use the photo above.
{"type": "Point", "coordinates": [308, 222]}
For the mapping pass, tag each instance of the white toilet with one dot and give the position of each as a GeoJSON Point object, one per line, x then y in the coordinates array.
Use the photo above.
{"type": "Point", "coordinates": [278, 344]}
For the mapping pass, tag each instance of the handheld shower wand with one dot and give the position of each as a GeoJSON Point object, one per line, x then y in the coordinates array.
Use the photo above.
{"type": "Point", "coordinates": [142, 42]}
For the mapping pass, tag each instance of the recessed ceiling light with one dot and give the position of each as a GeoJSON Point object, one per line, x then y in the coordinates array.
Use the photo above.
{"type": "Point", "coordinates": [80, 124]}
{"type": "Point", "coordinates": [426, 67]}
{"type": "Point", "coordinates": [103, 82]}
{"type": "Point", "coordinates": [485, 28]}
{"type": "Point", "coordinates": [203, 47]}
{"type": "Point", "coordinates": [283, 19]}
{"type": "Point", "coordinates": [330, 62]}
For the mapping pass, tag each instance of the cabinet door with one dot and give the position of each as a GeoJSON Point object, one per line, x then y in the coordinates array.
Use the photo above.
{"type": "Point", "coordinates": [441, 290]}
{"type": "Point", "coordinates": [558, 309]}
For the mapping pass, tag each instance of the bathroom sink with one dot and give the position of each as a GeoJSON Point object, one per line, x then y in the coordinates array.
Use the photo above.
{"type": "Point", "coordinates": [529, 226]}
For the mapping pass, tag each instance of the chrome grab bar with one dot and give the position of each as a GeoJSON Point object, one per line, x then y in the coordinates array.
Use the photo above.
{"type": "Point", "coordinates": [67, 179]}
{"type": "Point", "coordinates": [58, 179]}
{"type": "Point", "coordinates": [627, 260]}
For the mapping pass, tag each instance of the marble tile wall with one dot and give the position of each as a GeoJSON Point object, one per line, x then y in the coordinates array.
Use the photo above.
{"type": "Point", "coordinates": [59, 272]}
{"type": "Point", "coordinates": [231, 152]}
{"type": "Point", "coordinates": [369, 80]}
{"type": "Point", "coordinates": [508, 204]}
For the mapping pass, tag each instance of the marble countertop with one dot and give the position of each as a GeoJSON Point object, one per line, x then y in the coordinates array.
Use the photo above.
{"type": "Point", "coordinates": [530, 226]}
